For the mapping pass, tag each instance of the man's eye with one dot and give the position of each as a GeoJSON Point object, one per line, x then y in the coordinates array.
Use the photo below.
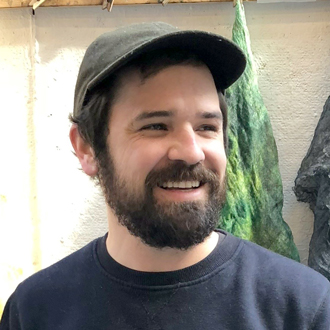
{"type": "Point", "coordinates": [208, 128]}
{"type": "Point", "coordinates": [154, 127]}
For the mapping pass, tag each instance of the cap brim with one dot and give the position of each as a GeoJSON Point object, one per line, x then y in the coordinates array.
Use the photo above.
{"type": "Point", "coordinates": [225, 60]}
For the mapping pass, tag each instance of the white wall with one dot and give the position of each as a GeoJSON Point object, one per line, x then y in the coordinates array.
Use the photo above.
{"type": "Point", "coordinates": [48, 208]}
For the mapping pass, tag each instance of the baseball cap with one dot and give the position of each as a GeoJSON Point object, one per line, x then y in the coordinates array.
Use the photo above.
{"type": "Point", "coordinates": [112, 50]}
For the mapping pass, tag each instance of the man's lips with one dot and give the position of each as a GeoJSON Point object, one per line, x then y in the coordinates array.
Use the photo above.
{"type": "Point", "coordinates": [192, 191]}
{"type": "Point", "coordinates": [169, 185]}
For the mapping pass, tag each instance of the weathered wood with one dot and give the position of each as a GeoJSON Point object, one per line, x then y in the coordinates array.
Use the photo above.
{"type": "Point", "coordinates": [57, 3]}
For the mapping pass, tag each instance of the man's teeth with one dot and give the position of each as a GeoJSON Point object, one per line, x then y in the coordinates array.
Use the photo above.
{"type": "Point", "coordinates": [181, 184]}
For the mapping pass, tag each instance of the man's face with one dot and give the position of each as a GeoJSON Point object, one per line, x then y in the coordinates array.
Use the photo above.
{"type": "Point", "coordinates": [164, 174]}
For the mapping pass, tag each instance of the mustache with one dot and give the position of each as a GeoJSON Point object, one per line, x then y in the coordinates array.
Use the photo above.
{"type": "Point", "coordinates": [180, 171]}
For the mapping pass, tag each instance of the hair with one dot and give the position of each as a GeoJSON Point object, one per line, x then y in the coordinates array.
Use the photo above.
{"type": "Point", "coordinates": [93, 119]}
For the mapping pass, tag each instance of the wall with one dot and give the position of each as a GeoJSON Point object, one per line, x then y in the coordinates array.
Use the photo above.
{"type": "Point", "coordinates": [48, 208]}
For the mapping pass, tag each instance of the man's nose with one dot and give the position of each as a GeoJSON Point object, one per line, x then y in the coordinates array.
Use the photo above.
{"type": "Point", "coordinates": [184, 146]}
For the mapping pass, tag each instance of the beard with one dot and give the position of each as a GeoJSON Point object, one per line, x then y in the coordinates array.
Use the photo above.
{"type": "Point", "coordinates": [179, 225]}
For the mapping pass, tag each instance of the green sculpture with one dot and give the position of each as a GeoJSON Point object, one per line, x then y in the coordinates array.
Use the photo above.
{"type": "Point", "coordinates": [255, 196]}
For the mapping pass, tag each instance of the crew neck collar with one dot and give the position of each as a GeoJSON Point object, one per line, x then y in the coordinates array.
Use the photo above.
{"type": "Point", "coordinates": [223, 251]}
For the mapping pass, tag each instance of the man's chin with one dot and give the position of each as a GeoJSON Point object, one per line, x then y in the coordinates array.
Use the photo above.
{"type": "Point", "coordinates": [171, 224]}
{"type": "Point", "coordinates": [180, 211]}
{"type": "Point", "coordinates": [176, 225]}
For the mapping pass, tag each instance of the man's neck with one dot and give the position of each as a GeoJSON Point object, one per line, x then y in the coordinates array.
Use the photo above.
{"type": "Point", "coordinates": [130, 252]}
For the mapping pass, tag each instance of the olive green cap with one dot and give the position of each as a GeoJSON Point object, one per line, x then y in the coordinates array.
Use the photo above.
{"type": "Point", "coordinates": [113, 50]}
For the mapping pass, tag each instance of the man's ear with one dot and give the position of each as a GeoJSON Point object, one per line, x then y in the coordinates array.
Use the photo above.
{"type": "Point", "coordinates": [83, 151]}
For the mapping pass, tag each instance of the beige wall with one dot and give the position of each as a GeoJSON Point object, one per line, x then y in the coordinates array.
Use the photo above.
{"type": "Point", "coordinates": [47, 207]}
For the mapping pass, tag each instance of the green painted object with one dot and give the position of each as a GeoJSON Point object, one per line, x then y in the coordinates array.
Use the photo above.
{"type": "Point", "coordinates": [255, 196]}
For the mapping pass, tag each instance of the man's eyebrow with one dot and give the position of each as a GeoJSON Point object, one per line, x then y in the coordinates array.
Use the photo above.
{"type": "Point", "coordinates": [211, 115]}
{"type": "Point", "coordinates": [152, 114]}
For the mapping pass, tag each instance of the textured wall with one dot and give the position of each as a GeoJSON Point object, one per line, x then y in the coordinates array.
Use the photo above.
{"type": "Point", "coordinates": [17, 176]}
{"type": "Point", "coordinates": [48, 208]}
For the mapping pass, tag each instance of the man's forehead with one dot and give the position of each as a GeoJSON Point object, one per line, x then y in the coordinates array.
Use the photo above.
{"type": "Point", "coordinates": [183, 79]}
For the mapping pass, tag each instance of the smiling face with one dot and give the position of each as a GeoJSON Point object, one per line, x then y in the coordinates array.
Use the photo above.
{"type": "Point", "coordinates": [164, 173]}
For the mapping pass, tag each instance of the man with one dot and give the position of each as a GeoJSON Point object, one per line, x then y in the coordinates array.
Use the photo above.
{"type": "Point", "coordinates": [149, 124]}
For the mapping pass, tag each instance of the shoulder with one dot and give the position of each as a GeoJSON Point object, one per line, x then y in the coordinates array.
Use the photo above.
{"type": "Point", "coordinates": [276, 266]}
{"type": "Point", "coordinates": [60, 276]}
{"type": "Point", "coordinates": [277, 289]}
{"type": "Point", "coordinates": [49, 293]}
{"type": "Point", "coordinates": [279, 281]}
